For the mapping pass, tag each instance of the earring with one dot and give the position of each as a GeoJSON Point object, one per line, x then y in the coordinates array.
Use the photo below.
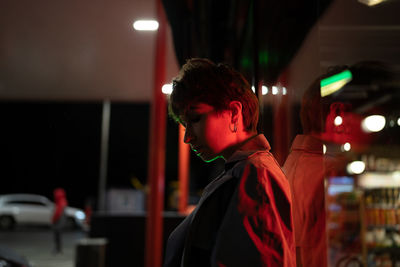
{"type": "Point", "coordinates": [234, 130]}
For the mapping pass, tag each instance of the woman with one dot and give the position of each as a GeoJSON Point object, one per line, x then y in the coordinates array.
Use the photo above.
{"type": "Point", "coordinates": [244, 215]}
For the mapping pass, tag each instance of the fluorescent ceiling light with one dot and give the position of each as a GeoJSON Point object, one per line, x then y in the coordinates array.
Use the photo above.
{"type": "Point", "coordinates": [371, 2]}
{"type": "Point", "coordinates": [145, 25]}
{"type": "Point", "coordinates": [264, 90]}
{"type": "Point", "coordinates": [335, 82]}
{"type": "Point", "coordinates": [274, 90]}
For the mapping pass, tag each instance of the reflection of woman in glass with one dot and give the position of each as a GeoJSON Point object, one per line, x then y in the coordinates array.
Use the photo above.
{"type": "Point", "coordinates": [59, 218]}
{"type": "Point", "coordinates": [244, 216]}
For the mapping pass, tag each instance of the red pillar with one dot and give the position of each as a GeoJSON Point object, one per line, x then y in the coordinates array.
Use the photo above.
{"type": "Point", "coordinates": [183, 171]}
{"type": "Point", "coordinates": [281, 123]}
{"type": "Point", "coordinates": [156, 165]}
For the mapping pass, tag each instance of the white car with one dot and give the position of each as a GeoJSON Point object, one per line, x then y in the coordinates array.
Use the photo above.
{"type": "Point", "coordinates": [30, 209]}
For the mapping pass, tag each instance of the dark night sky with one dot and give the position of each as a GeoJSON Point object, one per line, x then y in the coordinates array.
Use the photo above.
{"type": "Point", "coordinates": [45, 145]}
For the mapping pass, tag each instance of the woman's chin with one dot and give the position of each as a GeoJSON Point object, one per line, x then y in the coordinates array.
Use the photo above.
{"type": "Point", "coordinates": [208, 158]}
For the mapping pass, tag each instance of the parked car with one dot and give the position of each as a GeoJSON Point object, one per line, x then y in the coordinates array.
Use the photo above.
{"type": "Point", "coordinates": [9, 258]}
{"type": "Point", "coordinates": [30, 209]}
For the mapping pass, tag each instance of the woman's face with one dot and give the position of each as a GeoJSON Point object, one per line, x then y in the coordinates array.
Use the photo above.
{"type": "Point", "coordinates": [207, 131]}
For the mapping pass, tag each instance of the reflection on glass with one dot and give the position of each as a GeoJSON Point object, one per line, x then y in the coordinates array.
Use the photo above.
{"type": "Point", "coordinates": [373, 123]}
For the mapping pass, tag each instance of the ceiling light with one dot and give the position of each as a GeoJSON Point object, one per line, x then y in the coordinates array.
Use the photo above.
{"type": "Point", "coordinates": [356, 167]}
{"type": "Point", "coordinates": [284, 91]}
{"type": "Point", "coordinates": [346, 147]}
{"type": "Point", "coordinates": [338, 121]}
{"type": "Point", "coordinates": [371, 2]}
{"type": "Point", "coordinates": [167, 89]}
{"type": "Point", "coordinates": [373, 123]}
{"type": "Point", "coordinates": [274, 90]}
{"type": "Point", "coordinates": [145, 25]}
{"type": "Point", "coordinates": [264, 90]}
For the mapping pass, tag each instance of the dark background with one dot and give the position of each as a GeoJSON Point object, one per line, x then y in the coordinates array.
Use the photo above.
{"type": "Point", "coordinates": [44, 145]}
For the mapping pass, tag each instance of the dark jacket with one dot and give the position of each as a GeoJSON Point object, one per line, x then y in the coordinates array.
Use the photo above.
{"type": "Point", "coordinates": [242, 219]}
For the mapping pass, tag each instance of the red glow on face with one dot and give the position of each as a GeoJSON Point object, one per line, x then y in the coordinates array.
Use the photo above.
{"type": "Point", "coordinates": [207, 131]}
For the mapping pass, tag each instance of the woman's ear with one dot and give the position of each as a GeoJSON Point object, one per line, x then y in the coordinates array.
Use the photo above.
{"type": "Point", "coordinates": [236, 111]}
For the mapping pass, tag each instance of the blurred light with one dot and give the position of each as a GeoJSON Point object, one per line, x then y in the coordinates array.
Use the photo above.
{"type": "Point", "coordinates": [396, 176]}
{"type": "Point", "coordinates": [145, 25]}
{"type": "Point", "coordinates": [80, 215]}
{"type": "Point", "coordinates": [264, 90]}
{"type": "Point", "coordinates": [167, 89]}
{"type": "Point", "coordinates": [356, 167]}
{"type": "Point", "coordinates": [284, 91]}
{"type": "Point", "coordinates": [373, 123]}
{"type": "Point", "coordinates": [340, 188]}
{"type": "Point", "coordinates": [338, 121]}
{"type": "Point", "coordinates": [371, 2]}
{"type": "Point", "coordinates": [379, 180]}
{"type": "Point", "coordinates": [340, 184]}
{"type": "Point", "coordinates": [274, 90]}
{"type": "Point", "coordinates": [324, 149]}
{"type": "Point", "coordinates": [335, 82]}
{"type": "Point", "coordinates": [392, 123]}
{"type": "Point", "coordinates": [253, 88]}
{"type": "Point", "coordinates": [398, 121]}
{"type": "Point", "coordinates": [346, 147]}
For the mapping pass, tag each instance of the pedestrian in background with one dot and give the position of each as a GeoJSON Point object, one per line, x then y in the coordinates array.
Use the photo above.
{"type": "Point", "coordinates": [59, 218]}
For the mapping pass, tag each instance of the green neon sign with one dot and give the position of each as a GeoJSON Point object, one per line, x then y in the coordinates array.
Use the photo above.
{"type": "Point", "coordinates": [335, 82]}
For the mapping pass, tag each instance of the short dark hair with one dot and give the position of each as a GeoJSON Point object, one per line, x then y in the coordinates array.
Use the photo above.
{"type": "Point", "coordinates": [202, 81]}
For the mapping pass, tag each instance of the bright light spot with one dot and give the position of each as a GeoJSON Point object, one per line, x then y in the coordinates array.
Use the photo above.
{"type": "Point", "coordinates": [80, 215]}
{"type": "Point", "coordinates": [274, 90]}
{"type": "Point", "coordinates": [145, 25]}
{"type": "Point", "coordinates": [398, 121]}
{"type": "Point", "coordinates": [338, 121]}
{"type": "Point", "coordinates": [396, 176]}
{"type": "Point", "coordinates": [346, 147]}
{"type": "Point", "coordinates": [167, 89]}
{"type": "Point", "coordinates": [356, 167]}
{"type": "Point", "coordinates": [374, 123]}
{"type": "Point", "coordinates": [264, 90]}
{"type": "Point", "coordinates": [284, 91]}
{"type": "Point", "coordinates": [253, 88]}
{"type": "Point", "coordinates": [324, 149]}
{"type": "Point", "coordinates": [371, 2]}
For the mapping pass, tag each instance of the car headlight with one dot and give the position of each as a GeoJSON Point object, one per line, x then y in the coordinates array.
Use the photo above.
{"type": "Point", "coordinates": [80, 215]}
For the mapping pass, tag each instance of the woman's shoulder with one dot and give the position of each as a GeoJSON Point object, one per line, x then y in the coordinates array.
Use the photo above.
{"type": "Point", "coordinates": [264, 160]}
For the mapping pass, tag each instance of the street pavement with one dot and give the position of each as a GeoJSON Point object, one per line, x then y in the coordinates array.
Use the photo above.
{"type": "Point", "coordinates": [37, 246]}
